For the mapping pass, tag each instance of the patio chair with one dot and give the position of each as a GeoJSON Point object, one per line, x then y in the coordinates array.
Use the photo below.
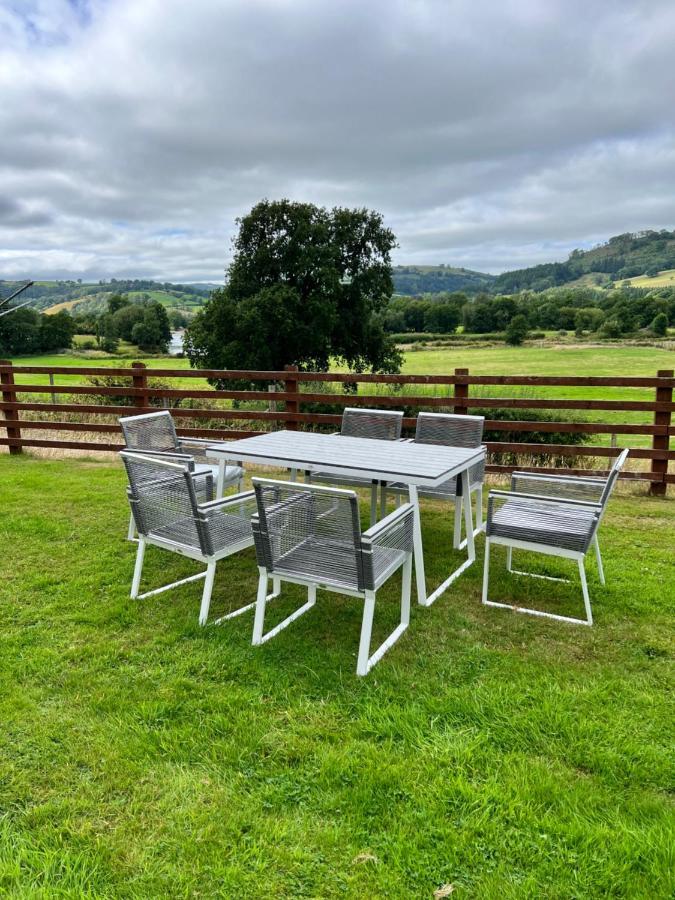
{"type": "Point", "coordinates": [168, 514]}
{"type": "Point", "coordinates": [155, 433]}
{"type": "Point", "coordinates": [560, 517]}
{"type": "Point", "coordinates": [311, 535]}
{"type": "Point", "coordinates": [450, 430]}
{"type": "Point", "coordinates": [376, 424]}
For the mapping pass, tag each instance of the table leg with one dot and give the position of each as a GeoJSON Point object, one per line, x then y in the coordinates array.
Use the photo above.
{"type": "Point", "coordinates": [470, 543]}
{"type": "Point", "coordinates": [418, 550]}
{"type": "Point", "coordinates": [220, 484]}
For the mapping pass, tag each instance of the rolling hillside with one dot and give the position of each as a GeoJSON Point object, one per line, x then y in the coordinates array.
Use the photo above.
{"type": "Point", "coordinates": [54, 296]}
{"type": "Point", "coordinates": [640, 256]}
{"type": "Point", "coordinates": [411, 280]}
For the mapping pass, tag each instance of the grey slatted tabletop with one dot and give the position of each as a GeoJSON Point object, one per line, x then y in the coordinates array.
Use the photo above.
{"type": "Point", "coordinates": [416, 465]}
{"type": "Point", "coordinates": [424, 465]}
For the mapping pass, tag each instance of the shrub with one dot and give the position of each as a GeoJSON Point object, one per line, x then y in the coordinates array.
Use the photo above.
{"type": "Point", "coordinates": [121, 381]}
{"type": "Point", "coordinates": [516, 331]}
{"type": "Point", "coordinates": [660, 325]}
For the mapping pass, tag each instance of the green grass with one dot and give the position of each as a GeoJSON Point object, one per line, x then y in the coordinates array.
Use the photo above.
{"type": "Point", "coordinates": [665, 278]}
{"type": "Point", "coordinates": [143, 756]}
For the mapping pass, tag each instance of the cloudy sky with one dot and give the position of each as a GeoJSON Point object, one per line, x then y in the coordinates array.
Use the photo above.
{"type": "Point", "coordinates": [491, 133]}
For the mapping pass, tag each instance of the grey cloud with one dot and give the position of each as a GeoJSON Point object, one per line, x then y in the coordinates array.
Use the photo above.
{"type": "Point", "coordinates": [490, 135]}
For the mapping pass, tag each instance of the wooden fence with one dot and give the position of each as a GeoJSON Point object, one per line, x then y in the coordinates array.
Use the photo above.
{"type": "Point", "coordinates": [293, 389]}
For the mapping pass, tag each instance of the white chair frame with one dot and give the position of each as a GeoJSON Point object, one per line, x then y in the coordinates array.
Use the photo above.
{"type": "Point", "coordinates": [512, 544]}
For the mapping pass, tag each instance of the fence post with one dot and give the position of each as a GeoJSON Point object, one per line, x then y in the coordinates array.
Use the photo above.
{"type": "Point", "coordinates": [661, 441]}
{"type": "Point", "coordinates": [461, 392]}
{"type": "Point", "coordinates": [11, 415]}
{"type": "Point", "coordinates": [292, 406]}
{"type": "Point", "coordinates": [140, 380]}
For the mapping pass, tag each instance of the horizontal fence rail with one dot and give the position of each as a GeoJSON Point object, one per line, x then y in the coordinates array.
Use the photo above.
{"type": "Point", "coordinates": [286, 397]}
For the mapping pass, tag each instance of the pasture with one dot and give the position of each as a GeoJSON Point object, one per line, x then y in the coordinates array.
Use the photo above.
{"type": "Point", "coordinates": [531, 359]}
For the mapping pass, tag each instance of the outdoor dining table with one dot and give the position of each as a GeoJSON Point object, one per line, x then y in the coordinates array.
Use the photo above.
{"type": "Point", "coordinates": [380, 461]}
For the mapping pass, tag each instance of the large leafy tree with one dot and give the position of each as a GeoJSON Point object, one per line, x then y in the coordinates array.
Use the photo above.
{"type": "Point", "coordinates": [306, 285]}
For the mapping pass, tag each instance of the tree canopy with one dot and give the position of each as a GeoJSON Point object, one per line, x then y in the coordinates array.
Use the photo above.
{"type": "Point", "coordinates": [306, 285]}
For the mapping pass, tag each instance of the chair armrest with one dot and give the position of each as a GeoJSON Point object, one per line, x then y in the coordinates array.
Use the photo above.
{"type": "Point", "coordinates": [223, 502]}
{"type": "Point", "coordinates": [378, 533]}
{"type": "Point", "coordinates": [384, 545]}
{"type": "Point", "coordinates": [202, 442]}
{"type": "Point", "coordinates": [560, 486]}
{"type": "Point", "coordinates": [566, 479]}
{"type": "Point", "coordinates": [541, 498]}
{"type": "Point", "coordinates": [169, 455]}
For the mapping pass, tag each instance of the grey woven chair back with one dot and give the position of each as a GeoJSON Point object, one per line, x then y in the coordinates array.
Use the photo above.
{"type": "Point", "coordinates": [163, 499]}
{"type": "Point", "coordinates": [308, 531]}
{"type": "Point", "coordinates": [150, 431]}
{"type": "Point", "coordinates": [382, 425]}
{"type": "Point", "coordinates": [450, 430]}
{"type": "Point", "coordinates": [613, 476]}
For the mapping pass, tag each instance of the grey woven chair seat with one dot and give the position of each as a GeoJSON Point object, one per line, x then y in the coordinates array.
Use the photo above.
{"type": "Point", "coordinates": [555, 526]}
{"type": "Point", "coordinates": [226, 529]}
{"type": "Point", "coordinates": [180, 531]}
{"type": "Point", "coordinates": [329, 561]}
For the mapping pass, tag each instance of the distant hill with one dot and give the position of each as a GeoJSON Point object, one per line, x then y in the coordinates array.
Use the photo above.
{"type": "Point", "coordinates": [52, 296]}
{"type": "Point", "coordinates": [638, 258]}
{"type": "Point", "coordinates": [622, 257]}
{"type": "Point", "coordinates": [412, 280]}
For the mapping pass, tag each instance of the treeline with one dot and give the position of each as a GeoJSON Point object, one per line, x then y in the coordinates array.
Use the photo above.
{"type": "Point", "coordinates": [26, 331]}
{"type": "Point", "coordinates": [145, 324]}
{"type": "Point", "coordinates": [609, 314]}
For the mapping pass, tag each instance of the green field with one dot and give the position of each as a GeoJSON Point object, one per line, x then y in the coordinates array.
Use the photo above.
{"type": "Point", "coordinates": [610, 359]}
{"type": "Point", "coordinates": [665, 278]}
{"type": "Point", "coordinates": [144, 757]}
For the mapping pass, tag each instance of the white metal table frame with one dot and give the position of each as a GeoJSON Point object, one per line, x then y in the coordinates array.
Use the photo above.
{"type": "Point", "coordinates": [416, 465]}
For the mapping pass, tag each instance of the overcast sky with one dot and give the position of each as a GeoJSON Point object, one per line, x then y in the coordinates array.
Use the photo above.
{"type": "Point", "coordinates": [490, 133]}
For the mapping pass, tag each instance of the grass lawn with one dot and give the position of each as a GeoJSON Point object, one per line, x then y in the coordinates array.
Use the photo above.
{"type": "Point", "coordinates": [143, 756]}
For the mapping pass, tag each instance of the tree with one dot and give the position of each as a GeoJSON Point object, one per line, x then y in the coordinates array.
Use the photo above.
{"type": "Point", "coordinates": [117, 301]}
{"type": "Point", "coordinates": [442, 318]}
{"type": "Point", "coordinates": [306, 285]}
{"type": "Point", "coordinates": [106, 333]}
{"type": "Point", "coordinates": [178, 319]}
{"type": "Point", "coordinates": [415, 315]}
{"type": "Point", "coordinates": [56, 331]}
{"type": "Point", "coordinates": [516, 330]}
{"type": "Point", "coordinates": [20, 332]}
{"type": "Point", "coordinates": [125, 318]}
{"type": "Point", "coordinates": [152, 333]}
{"type": "Point", "coordinates": [660, 325]}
